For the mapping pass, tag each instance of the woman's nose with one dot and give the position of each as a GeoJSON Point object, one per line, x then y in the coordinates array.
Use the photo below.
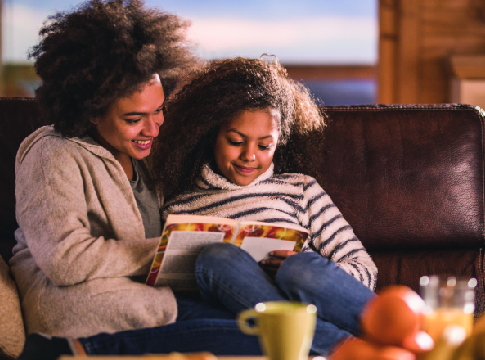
{"type": "Point", "coordinates": [153, 125]}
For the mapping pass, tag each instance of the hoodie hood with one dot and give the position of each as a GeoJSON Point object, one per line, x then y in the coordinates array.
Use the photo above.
{"type": "Point", "coordinates": [87, 142]}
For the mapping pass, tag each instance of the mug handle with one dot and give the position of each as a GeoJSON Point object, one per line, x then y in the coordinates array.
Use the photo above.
{"type": "Point", "coordinates": [242, 319]}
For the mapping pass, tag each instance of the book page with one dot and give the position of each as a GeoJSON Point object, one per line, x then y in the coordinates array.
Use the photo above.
{"type": "Point", "coordinates": [278, 225]}
{"type": "Point", "coordinates": [178, 264]}
{"type": "Point", "coordinates": [198, 219]}
{"type": "Point", "coordinates": [188, 239]}
{"type": "Point", "coordinates": [184, 242]}
{"type": "Point", "coordinates": [284, 232]}
{"type": "Point", "coordinates": [259, 247]}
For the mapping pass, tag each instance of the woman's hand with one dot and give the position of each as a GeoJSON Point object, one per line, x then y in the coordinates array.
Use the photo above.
{"type": "Point", "coordinates": [271, 265]}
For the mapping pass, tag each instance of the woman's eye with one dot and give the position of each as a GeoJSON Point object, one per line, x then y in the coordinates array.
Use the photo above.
{"type": "Point", "coordinates": [235, 143]}
{"type": "Point", "coordinates": [264, 147]}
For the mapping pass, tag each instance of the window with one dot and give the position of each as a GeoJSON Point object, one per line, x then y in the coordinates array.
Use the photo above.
{"type": "Point", "coordinates": [331, 46]}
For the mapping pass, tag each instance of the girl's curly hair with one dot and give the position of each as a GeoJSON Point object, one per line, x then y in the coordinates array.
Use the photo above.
{"type": "Point", "coordinates": [211, 97]}
{"type": "Point", "coordinates": [103, 51]}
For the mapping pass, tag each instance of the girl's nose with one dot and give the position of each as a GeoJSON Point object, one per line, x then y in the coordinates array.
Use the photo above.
{"type": "Point", "coordinates": [249, 154]}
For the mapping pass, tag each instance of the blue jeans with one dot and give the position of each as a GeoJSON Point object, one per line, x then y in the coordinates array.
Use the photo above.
{"type": "Point", "coordinates": [229, 276]}
{"type": "Point", "coordinates": [218, 336]}
{"type": "Point", "coordinates": [230, 280]}
{"type": "Point", "coordinates": [200, 327]}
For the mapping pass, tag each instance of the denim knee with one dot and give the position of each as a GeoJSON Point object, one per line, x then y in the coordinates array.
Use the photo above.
{"type": "Point", "coordinates": [217, 253]}
{"type": "Point", "coordinates": [222, 257]}
{"type": "Point", "coordinates": [298, 272]}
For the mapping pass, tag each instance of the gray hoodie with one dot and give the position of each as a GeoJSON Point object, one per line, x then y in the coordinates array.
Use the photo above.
{"type": "Point", "coordinates": [80, 242]}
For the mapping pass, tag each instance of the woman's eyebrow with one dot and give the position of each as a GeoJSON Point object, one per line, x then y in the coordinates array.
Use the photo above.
{"type": "Point", "coordinates": [135, 113]}
{"type": "Point", "coordinates": [140, 113]}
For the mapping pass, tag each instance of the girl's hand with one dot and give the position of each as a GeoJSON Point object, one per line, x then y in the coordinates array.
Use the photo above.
{"type": "Point", "coordinates": [271, 266]}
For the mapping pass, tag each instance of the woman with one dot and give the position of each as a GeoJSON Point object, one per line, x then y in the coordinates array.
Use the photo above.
{"type": "Point", "coordinates": [88, 216]}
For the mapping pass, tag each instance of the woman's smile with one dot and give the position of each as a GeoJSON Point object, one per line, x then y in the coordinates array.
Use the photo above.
{"type": "Point", "coordinates": [143, 144]}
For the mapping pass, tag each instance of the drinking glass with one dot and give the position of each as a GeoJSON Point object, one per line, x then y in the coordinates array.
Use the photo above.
{"type": "Point", "coordinates": [450, 302]}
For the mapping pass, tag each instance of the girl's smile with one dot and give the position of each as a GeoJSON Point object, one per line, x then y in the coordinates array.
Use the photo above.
{"type": "Point", "coordinates": [244, 169]}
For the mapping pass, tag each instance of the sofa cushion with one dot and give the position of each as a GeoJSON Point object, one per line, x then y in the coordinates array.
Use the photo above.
{"type": "Point", "coordinates": [12, 332]}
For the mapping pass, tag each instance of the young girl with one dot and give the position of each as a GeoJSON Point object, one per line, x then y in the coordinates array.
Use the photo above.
{"type": "Point", "coordinates": [240, 118]}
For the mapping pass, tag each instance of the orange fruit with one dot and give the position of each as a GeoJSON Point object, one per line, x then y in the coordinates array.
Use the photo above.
{"type": "Point", "coordinates": [393, 317]}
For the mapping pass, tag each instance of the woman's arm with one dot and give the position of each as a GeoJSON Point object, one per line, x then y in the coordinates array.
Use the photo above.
{"type": "Point", "coordinates": [62, 209]}
{"type": "Point", "coordinates": [331, 235]}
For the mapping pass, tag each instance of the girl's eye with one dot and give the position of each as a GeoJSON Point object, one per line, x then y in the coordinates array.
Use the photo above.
{"type": "Point", "coordinates": [235, 143]}
{"type": "Point", "coordinates": [263, 147]}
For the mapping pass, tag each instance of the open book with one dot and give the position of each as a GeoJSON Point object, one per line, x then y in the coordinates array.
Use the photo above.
{"type": "Point", "coordinates": [184, 236]}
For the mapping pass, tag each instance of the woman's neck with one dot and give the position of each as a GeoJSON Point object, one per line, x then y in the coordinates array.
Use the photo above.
{"type": "Point", "coordinates": [123, 159]}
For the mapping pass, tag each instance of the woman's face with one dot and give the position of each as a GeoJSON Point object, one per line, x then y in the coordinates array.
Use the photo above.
{"type": "Point", "coordinates": [131, 123]}
{"type": "Point", "coordinates": [245, 147]}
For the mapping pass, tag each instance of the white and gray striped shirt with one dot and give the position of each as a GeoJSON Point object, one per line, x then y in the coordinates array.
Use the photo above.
{"type": "Point", "coordinates": [288, 198]}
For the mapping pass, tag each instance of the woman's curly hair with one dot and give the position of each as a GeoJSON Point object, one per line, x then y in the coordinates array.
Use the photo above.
{"type": "Point", "coordinates": [211, 97]}
{"type": "Point", "coordinates": [103, 51]}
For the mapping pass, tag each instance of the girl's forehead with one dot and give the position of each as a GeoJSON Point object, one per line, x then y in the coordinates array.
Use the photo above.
{"type": "Point", "coordinates": [255, 122]}
{"type": "Point", "coordinates": [257, 115]}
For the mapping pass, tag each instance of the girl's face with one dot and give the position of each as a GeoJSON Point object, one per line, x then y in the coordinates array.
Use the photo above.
{"type": "Point", "coordinates": [245, 147]}
{"type": "Point", "coordinates": [130, 124]}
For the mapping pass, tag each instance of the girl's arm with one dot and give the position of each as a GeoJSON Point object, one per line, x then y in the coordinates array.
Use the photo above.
{"type": "Point", "coordinates": [331, 235]}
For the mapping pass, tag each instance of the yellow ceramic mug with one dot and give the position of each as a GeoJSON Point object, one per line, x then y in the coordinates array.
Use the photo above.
{"type": "Point", "coordinates": [285, 328]}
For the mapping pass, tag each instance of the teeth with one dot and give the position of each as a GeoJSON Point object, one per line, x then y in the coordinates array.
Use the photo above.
{"type": "Point", "coordinates": [146, 142]}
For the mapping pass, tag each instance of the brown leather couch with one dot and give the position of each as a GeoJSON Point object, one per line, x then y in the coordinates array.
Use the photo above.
{"type": "Point", "coordinates": [409, 179]}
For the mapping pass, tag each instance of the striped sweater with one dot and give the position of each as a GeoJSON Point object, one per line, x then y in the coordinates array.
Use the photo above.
{"type": "Point", "coordinates": [290, 198]}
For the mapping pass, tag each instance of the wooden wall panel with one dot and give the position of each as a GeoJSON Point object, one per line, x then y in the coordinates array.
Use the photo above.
{"type": "Point", "coordinates": [386, 84]}
{"type": "Point", "coordinates": [414, 62]}
{"type": "Point", "coordinates": [449, 3]}
{"type": "Point", "coordinates": [408, 47]}
{"type": "Point", "coordinates": [434, 85]}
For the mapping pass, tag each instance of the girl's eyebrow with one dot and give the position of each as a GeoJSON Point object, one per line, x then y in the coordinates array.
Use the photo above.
{"type": "Point", "coordinates": [245, 136]}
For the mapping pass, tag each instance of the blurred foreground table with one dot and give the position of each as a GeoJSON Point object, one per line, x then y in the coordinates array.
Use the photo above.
{"type": "Point", "coordinates": [158, 357]}
{"type": "Point", "coordinates": [167, 357]}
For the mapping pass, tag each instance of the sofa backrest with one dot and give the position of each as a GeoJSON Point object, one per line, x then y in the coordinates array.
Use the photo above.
{"type": "Point", "coordinates": [18, 118]}
{"type": "Point", "coordinates": [409, 179]}
{"type": "Point", "coordinates": [408, 176]}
